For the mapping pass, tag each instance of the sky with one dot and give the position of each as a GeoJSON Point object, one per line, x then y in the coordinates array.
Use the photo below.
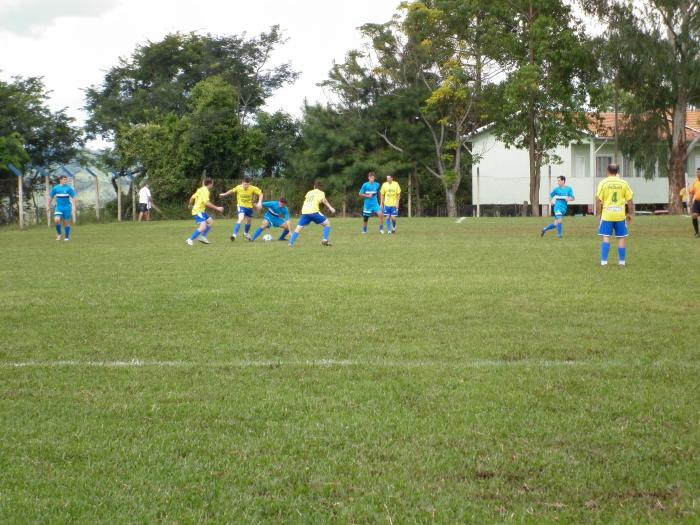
{"type": "Point", "coordinates": [72, 43]}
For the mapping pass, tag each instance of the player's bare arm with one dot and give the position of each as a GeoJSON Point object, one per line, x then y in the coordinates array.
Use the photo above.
{"type": "Point", "coordinates": [328, 205]}
{"type": "Point", "coordinates": [630, 211]}
{"type": "Point", "coordinates": [211, 206]}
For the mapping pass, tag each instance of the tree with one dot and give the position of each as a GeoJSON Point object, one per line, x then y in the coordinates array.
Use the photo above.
{"type": "Point", "coordinates": [274, 138]}
{"type": "Point", "coordinates": [654, 48]}
{"type": "Point", "coordinates": [548, 67]}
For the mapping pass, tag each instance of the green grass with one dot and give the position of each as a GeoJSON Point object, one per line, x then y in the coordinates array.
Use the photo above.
{"type": "Point", "coordinates": [454, 373]}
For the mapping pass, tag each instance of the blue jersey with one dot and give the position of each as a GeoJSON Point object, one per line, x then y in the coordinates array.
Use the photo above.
{"type": "Point", "coordinates": [560, 194]}
{"type": "Point", "coordinates": [63, 194]}
{"type": "Point", "coordinates": [370, 188]}
{"type": "Point", "coordinates": [275, 210]}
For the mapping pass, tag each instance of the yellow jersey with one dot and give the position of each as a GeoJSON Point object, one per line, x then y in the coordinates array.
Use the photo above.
{"type": "Point", "coordinates": [391, 191]}
{"type": "Point", "coordinates": [695, 191]}
{"type": "Point", "coordinates": [683, 194]}
{"type": "Point", "coordinates": [244, 197]}
{"type": "Point", "coordinates": [201, 197]}
{"type": "Point", "coordinates": [312, 202]}
{"type": "Point", "coordinates": [614, 194]}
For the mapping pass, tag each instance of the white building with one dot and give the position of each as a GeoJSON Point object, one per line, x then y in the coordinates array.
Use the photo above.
{"type": "Point", "coordinates": [502, 174]}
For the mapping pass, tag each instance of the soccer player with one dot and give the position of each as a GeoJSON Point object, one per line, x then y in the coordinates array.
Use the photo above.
{"type": "Point", "coordinates": [244, 200]}
{"type": "Point", "coordinates": [695, 202]}
{"type": "Point", "coordinates": [145, 203]}
{"type": "Point", "coordinates": [561, 196]}
{"type": "Point", "coordinates": [277, 215]}
{"type": "Point", "coordinates": [370, 207]}
{"type": "Point", "coordinates": [391, 197]}
{"type": "Point", "coordinates": [64, 196]}
{"type": "Point", "coordinates": [199, 202]}
{"type": "Point", "coordinates": [612, 196]}
{"type": "Point", "coordinates": [311, 212]}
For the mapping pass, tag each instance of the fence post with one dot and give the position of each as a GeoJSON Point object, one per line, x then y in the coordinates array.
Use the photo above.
{"type": "Point", "coordinates": [410, 192]}
{"type": "Point", "coordinates": [20, 194]}
{"type": "Point", "coordinates": [97, 192]}
{"type": "Point", "coordinates": [119, 195]}
{"type": "Point", "coordinates": [478, 193]}
{"type": "Point", "coordinates": [133, 198]}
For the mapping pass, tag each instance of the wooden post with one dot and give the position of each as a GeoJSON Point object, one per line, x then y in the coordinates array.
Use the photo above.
{"type": "Point", "coordinates": [119, 198]}
{"type": "Point", "coordinates": [48, 193]}
{"type": "Point", "coordinates": [20, 204]}
{"type": "Point", "coordinates": [410, 188]}
{"type": "Point", "coordinates": [133, 199]}
{"type": "Point", "coordinates": [97, 197]}
{"type": "Point", "coordinates": [478, 194]}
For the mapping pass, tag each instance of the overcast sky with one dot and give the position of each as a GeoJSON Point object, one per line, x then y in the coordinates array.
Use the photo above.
{"type": "Point", "coordinates": [71, 43]}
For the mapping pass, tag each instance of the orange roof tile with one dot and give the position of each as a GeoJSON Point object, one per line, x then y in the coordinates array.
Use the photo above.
{"type": "Point", "coordinates": [603, 124]}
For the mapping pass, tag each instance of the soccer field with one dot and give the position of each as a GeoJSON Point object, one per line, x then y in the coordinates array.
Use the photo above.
{"type": "Point", "coordinates": [453, 373]}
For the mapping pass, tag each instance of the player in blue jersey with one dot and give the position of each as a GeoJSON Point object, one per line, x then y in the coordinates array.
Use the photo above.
{"type": "Point", "coordinates": [63, 196]}
{"type": "Point", "coordinates": [369, 192]}
{"type": "Point", "coordinates": [277, 215]}
{"type": "Point", "coordinates": [561, 196]}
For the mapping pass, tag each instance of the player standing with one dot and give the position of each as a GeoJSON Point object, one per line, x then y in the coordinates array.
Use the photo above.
{"type": "Point", "coordinates": [391, 197]}
{"type": "Point", "coordinates": [64, 211]}
{"type": "Point", "coordinates": [369, 191]}
{"type": "Point", "coordinates": [311, 212]}
{"type": "Point", "coordinates": [145, 203]}
{"type": "Point", "coordinates": [199, 203]}
{"type": "Point", "coordinates": [277, 215]}
{"type": "Point", "coordinates": [561, 196]}
{"type": "Point", "coordinates": [244, 200]}
{"type": "Point", "coordinates": [613, 195]}
{"type": "Point", "coordinates": [695, 202]}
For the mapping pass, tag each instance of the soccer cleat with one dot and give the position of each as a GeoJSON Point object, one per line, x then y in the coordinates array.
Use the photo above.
{"type": "Point", "coordinates": [58, 238]}
{"type": "Point", "coordinates": [622, 263]}
{"type": "Point", "coordinates": [233, 238]}
{"type": "Point", "coordinates": [290, 245]}
{"type": "Point", "coordinates": [204, 240]}
{"type": "Point", "coordinates": [189, 241]}
{"type": "Point", "coordinates": [381, 231]}
{"type": "Point", "coordinates": [388, 232]}
{"type": "Point", "coordinates": [603, 263]}
{"type": "Point", "coordinates": [246, 236]}
{"type": "Point", "coordinates": [325, 242]}
{"type": "Point", "coordinates": [363, 232]}
{"type": "Point", "coordinates": [67, 239]}
{"type": "Point", "coordinates": [542, 232]}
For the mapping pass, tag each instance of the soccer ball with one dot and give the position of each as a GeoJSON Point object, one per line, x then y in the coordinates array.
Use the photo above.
{"type": "Point", "coordinates": [267, 237]}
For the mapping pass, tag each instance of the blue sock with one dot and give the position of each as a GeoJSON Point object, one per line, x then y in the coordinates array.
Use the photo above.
{"type": "Point", "coordinates": [381, 226]}
{"type": "Point", "coordinates": [58, 229]}
{"type": "Point", "coordinates": [549, 227]}
{"type": "Point", "coordinates": [559, 230]}
{"type": "Point", "coordinates": [364, 227]}
{"type": "Point", "coordinates": [326, 232]}
{"type": "Point", "coordinates": [293, 238]}
{"type": "Point", "coordinates": [284, 234]}
{"type": "Point", "coordinates": [206, 230]}
{"type": "Point", "coordinates": [246, 228]}
{"type": "Point", "coordinates": [67, 229]}
{"type": "Point", "coordinates": [621, 253]}
{"type": "Point", "coordinates": [237, 228]}
{"type": "Point", "coordinates": [257, 233]}
{"type": "Point", "coordinates": [388, 225]}
{"type": "Point", "coordinates": [195, 234]}
{"type": "Point", "coordinates": [604, 251]}
{"type": "Point", "coordinates": [393, 222]}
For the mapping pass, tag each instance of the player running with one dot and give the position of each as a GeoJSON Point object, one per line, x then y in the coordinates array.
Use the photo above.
{"type": "Point", "coordinates": [244, 200]}
{"type": "Point", "coordinates": [390, 196]}
{"type": "Point", "coordinates": [199, 202]}
{"type": "Point", "coordinates": [561, 196]}
{"type": "Point", "coordinates": [369, 191]}
{"type": "Point", "coordinates": [695, 202]}
{"type": "Point", "coordinates": [613, 194]}
{"type": "Point", "coordinates": [64, 196]}
{"type": "Point", "coordinates": [277, 215]}
{"type": "Point", "coordinates": [311, 212]}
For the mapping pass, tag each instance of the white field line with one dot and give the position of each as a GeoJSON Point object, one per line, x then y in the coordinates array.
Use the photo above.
{"type": "Point", "coordinates": [477, 363]}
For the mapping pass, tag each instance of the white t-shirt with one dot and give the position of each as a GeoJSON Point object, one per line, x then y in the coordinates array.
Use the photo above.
{"type": "Point", "coordinates": [144, 195]}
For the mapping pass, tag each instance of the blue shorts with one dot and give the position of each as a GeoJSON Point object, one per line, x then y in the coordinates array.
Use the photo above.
{"type": "Point", "coordinates": [391, 211]}
{"type": "Point", "coordinates": [558, 214]}
{"type": "Point", "coordinates": [371, 209]}
{"type": "Point", "coordinates": [248, 212]}
{"type": "Point", "coordinates": [200, 217]}
{"type": "Point", "coordinates": [277, 222]}
{"type": "Point", "coordinates": [607, 228]}
{"type": "Point", "coordinates": [317, 218]}
{"type": "Point", "coordinates": [63, 213]}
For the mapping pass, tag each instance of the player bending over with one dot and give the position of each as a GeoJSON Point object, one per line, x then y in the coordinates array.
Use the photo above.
{"type": "Point", "coordinates": [613, 194]}
{"type": "Point", "coordinates": [64, 211]}
{"type": "Point", "coordinates": [277, 215]}
{"type": "Point", "coordinates": [369, 191]}
{"type": "Point", "coordinates": [391, 196]}
{"type": "Point", "coordinates": [311, 212]}
{"type": "Point", "coordinates": [561, 196]}
{"type": "Point", "coordinates": [244, 200]}
{"type": "Point", "coordinates": [199, 202]}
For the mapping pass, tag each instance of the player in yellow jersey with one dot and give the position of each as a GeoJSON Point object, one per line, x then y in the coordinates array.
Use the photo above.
{"type": "Point", "coordinates": [244, 200]}
{"type": "Point", "coordinates": [614, 205]}
{"type": "Point", "coordinates": [199, 202]}
{"type": "Point", "coordinates": [311, 212]}
{"type": "Point", "coordinates": [695, 201]}
{"type": "Point", "coordinates": [390, 199]}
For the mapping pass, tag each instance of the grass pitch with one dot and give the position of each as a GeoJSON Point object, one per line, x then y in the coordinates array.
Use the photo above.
{"type": "Point", "coordinates": [454, 373]}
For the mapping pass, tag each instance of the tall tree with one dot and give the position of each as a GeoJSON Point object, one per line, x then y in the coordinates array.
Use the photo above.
{"type": "Point", "coordinates": [548, 67]}
{"type": "Point", "coordinates": [653, 46]}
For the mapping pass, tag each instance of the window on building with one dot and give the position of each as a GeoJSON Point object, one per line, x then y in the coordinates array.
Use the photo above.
{"type": "Point", "coordinates": [601, 165]}
{"type": "Point", "coordinates": [580, 167]}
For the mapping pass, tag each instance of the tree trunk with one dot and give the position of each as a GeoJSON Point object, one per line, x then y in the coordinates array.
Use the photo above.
{"type": "Point", "coordinates": [419, 205]}
{"type": "Point", "coordinates": [679, 155]}
{"type": "Point", "coordinates": [451, 197]}
{"type": "Point", "coordinates": [534, 180]}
